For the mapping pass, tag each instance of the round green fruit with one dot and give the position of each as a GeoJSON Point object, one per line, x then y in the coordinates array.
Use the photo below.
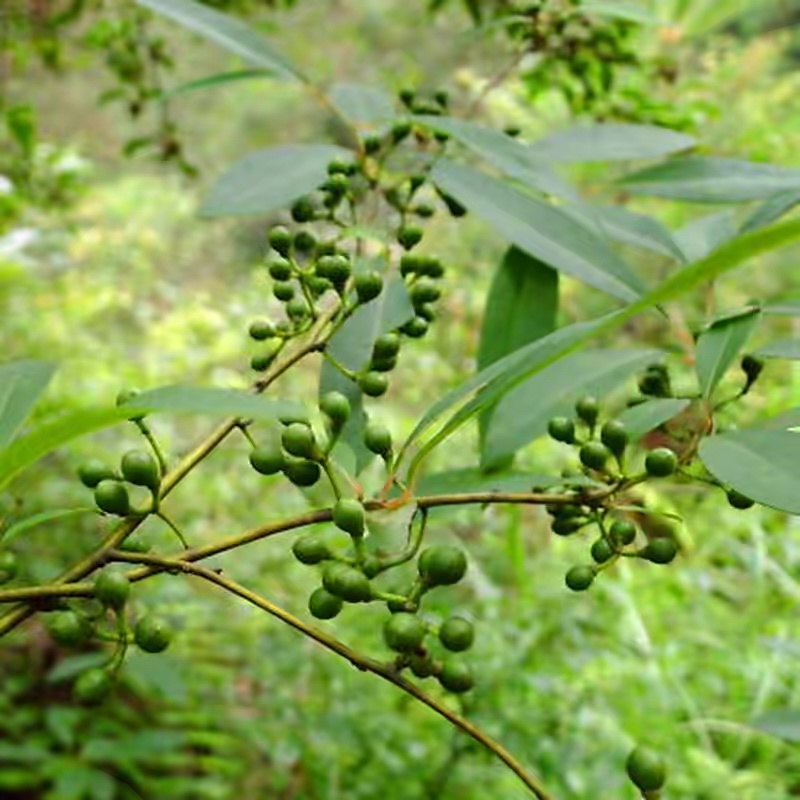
{"type": "Point", "coordinates": [324, 605]}
{"type": "Point", "coordinates": [94, 471]}
{"type": "Point", "coordinates": [349, 516]}
{"type": "Point", "coordinates": [261, 330]}
{"type": "Point", "coordinates": [298, 440]}
{"type": "Point", "coordinates": [415, 328]}
{"type": "Point", "coordinates": [140, 468]}
{"type": "Point", "coordinates": [409, 236]}
{"type": "Point", "coordinates": [112, 588]}
{"type": "Point", "coordinates": [68, 628]}
{"type": "Point", "coordinates": [373, 384]}
{"type": "Point", "coordinates": [566, 526]}
{"type": "Point", "coordinates": [588, 409]}
{"type": "Point", "coordinates": [601, 551]}
{"type": "Point", "coordinates": [336, 268]}
{"type": "Point", "coordinates": [8, 566]}
{"type": "Point", "coordinates": [135, 543]}
{"type": "Point", "coordinates": [336, 407]}
{"type": "Point", "coordinates": [614, 435]}
{"type": "Point", "coordinates": [660, 551]}
{"type": "Point", "coordinates": [297, 308]}
{"type": "Point", "coordinates": [623, 532]}
{"type": "Point", "coordinates": [378, 439]}
{"type": "Point", "coordinates": [266, 460]}
{"type": "Point", "coordinates": [579, 578]}
{"type": "Point", "coordinates": [456, 676]}
{"type": "Point", "coordinates": [738, 500]}
{"type": "Point", "coordinates": [92, 686]}
{"type": "Point", "coordinates": [383, 364]}
{"type": "Point", "coordinates": [347, 583]}
{"type": "Point", "coordinates": [301, 472]}
{"type": "Point", "coordinates": [372, 144]}
{"type": "Point", "coordinates": [430, 266]}
{"type": "Point", "coordinates": [660, 462]}
{"type": "Point", "coordinates": [457, 633]}
{"type": "Point", "coordinates": [368, 286]}
{"type": "Point", "coordinates": [125, 396]}
{"type": "Point", "coordinates": [152, 634]}
{"type": "Point", "coordinates": [646, 769]}
{"type": "Point", "coordinates": [421, 666]}
{"type": "Point", "coordinates": [261, 361]}
{"type": "Point", "coordinates": [304, 241]}
{"type": "Point", "coordinates": [562, 429]}
{"type": "Point", "coordinates": [283, 291]}
{"type": "Point", "coordinates": [594, 455]}
{"type": "Point", "coordinates": [386, 346]}
{"type": "Point", "coordinates": [280, 269]}
{"type": "Point", "coordinates": [442, 565]}
{"type": "Point", "coordinates": [424, 291]}
{"type": "Point", "coordinates": [311, 549]}
{"type": "Point", "coordinates": [112, 497]}
{"type": "Point", "coordinates": [303, 210]}
{"type": "Point", "coordinates": [404, 632]}
{"type": "Point", "coordinates": [280, 239]}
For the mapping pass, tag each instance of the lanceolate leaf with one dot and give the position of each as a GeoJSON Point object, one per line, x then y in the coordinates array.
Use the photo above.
{"type": "Point", "coordinates": [619, 9]}
{"type": "Point", "coordinates": [783, 348]}
{"type": "Point", "coordinates": [782, 723]}
{"type": "Point", "coordinates": [788, 308]}
{"type": "Point", "coordinates": [23, 525]}
{"type": "Point", "coordinates": [643, 418]}
{"type": "Point", "coordinates": [267, 180]}
{"type": "Point", "coordinates": [361, 103]}
{"type": "Point", "coordinates": [21, 385]}
{"type": "Point", "coordinates": [772, 209]}
{"type": "Point", "coordinates": [610, 142]}
{"type": "Point", "coordinates": [712, 180]}
{"type": "Point", "coordinates": [638, 230]}
{"type": "Point", "coordinates": [226, 31]}
{"type": "Point", "coordinates": [761, 464]}
{"type": "Point", "coordinates": [706, 234]}
{"type": "Point", "coordinates": [523, 413]}
{"type": "Point", "coordinates": [541, 229]}
{"type": "Point", "coordinates": [220, 79]}
{"type": "Point", "coordinates": [718, 347]}
{"type": "Point", "coordinates": [458, 481]}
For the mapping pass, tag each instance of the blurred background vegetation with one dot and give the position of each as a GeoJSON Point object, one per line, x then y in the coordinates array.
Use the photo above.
{"type": "Point", "coordinates": [105, 268]}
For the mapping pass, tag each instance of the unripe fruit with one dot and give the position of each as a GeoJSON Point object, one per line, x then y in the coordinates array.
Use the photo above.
{"type": "Point", "coordinates": [623, 532]}
{"type": "Point", "coordinates": [280, 239]}
{"type": "Point", "coordinates": [564, 526]}
{"type": "Point", "coordinates": [324, 605]}
{"type": "Point", "coordinates": [260, 330]}
{"type": "Point", "coordinates": [415, 328]}
{"type": "Point", "coordinates": [339, 167]}
{"type": "Point", "coordinates": [409, 236]}
{"type": "Point", "coordinates": [112, 588]}
{"type": "Point", "coordinates": [135, 543]}
{"type": "Point", "coordinates": [588, 409]}
{"type": "Point", "coordinates": [426, 312]}
{"type": "Point", "coordinates": [283, 291]}
{"type": "Point", "coordinates": [297, 308]}
{"type": "Point", "coordinates": [346, 582]}
{"type": "Point", "coordinates": [152, 634]}
{"type": "Point", "coordinates": [349, 516]}
{"type": "Point", "coordinates": [318, 286]}
{"type": "Point", "coordinates": [411, 264]}
{"type": "Point", "coordinates": [404, 632]}
{"type": "Point", "coordinates": [68, 628]}
{"type": "Point", "coordinates": [368, 286]}
{"type": "Point", "coordinates": [298, 440]}
{"type": "Point", "coordinates": [140, 468]}
{"type": "Point", "coordinates": [125, 396]}
{"type": "Point", "coordinates": [646, 769]}
{"type": "Point", "coordinates": [386, 346]}
{"type": "Point", "coordinates": [738, 500]}
{"type": "Point", "coordinates": [301, 472]}
{"type": "Point", "coordinates": [336, 408]}
{"type": "Point", "coordinates": [562, 429]}
{"type": "Point", "coordinates": [8, 566]}
{"type": "Point", "coordinates": [614, 435]}
{"type": "Point", "coordinates": [311, 549]}
{"type": "Point", "coordinates": [442, 565]}
{"type": "Point", "coordinates": [266, 459]}
{"type": "Point", "coordinates": [752, 367]}
{"type": "Point", "coordinates": [336, 268]}
{"type": "Point", "coordinates": [372, 144]}
{"type": "Point", "coordinates": [601, 551]}
{"type": "Point", "coordinates": [660, 462]}
{"type": "Point", "coordinates": [92, 686]}
{"type": "Point", "coordinates": [112, 497]}
{"type": "Point", "coordinates": [383, 364]}
{"type": "Point", "coordinates": [406, 96]}
{"type": "Point", "coordinates": [260, 361]}
{"type": "Point", "coordinates": [94, 471]}
{"type": "Point", "coordinates": [421, 666]}
{"type": "Point", "coordinates": [456, 634]}
{"type": "Point", "coordinates": [400, 130]}
{"type": "Point", "coordinates": [303, 210]}
{"type": "Point", "coordinates": [594, 455]}
{"type": "Point", "coordinates": [455, 208]}
{"type": "Point", "coordinates": [579, 578]}
{"type": "Point", "coordinates": [456, 676]}
{"type": "Point", "coordinates": [431, 266]}
{"type": "Point", "coordinates": [280, 269]}
{"type": "Point", "coordinates": [424, 291]}
{"type": "Point", "coordinates": [424, 210]}
{"type": "Point", "coordinates": [660, 551]}
{"type": "Point", "coordinates": [305, 241]}
{"type": "Point", "coordinates": [373, 384]}
{"type": "Point", "coordinates": [378, 439]}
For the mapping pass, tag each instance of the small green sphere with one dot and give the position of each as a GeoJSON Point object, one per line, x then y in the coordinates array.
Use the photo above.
{"type": "Point", "coordinates": [112, 588]}
{"type": "Point", "coordinates": [378, 439]}
{"type": "Point", "coordinates": [622, 531]}
{"type": "Point", "coordinates": [421, 666]}
{"type": "Point", "coordinates": [152, 634]}
{"type": "Point", "coordinates": [738, 500]}
{"type": "Point", "coordinates": [349, 516]}
{"type": "Point", "coordinates": [260, 362]}
{"type": "Point", "coordinates": [400, 130]}
{"type": "Point", "coordinates": [301, 472]}
{"type": "Point", "coordinates": [562, 429]}
{"type": "Point", "coordinates": [442, 565]}
{"type": "Point", "coordinates": [347, 583]}
{"type": "Point", "coordinates": [94, 471]}
{"type": "Point", "coordinates": [297, 309]}
{"type": "Point", "coordinates": [303, 210]}
{"type": "Point", "coordinates": [372, 144]}
{"type": "Point", "coordinates": [594, 455]}
{"type": "Point", "coordinates": [404, 632]}
{"type": "Point", "coordinates": [457, 634]}
{"type": "Point", "coordinates": [430, 266]}
{"type": "Point", "coordinates": [415, 328]}
{"type": "Point", "coordinates": [112, 497]}
{"type": "Point", "coordinates": [266, 459]}
{"type": "Point", "coordinates": [324, 605]}
{"type": "Point", "coordinates": [140, 468]}
{"type": "Point", "coordinates": [311, 549]}
{"type": "Point", "coordinates": [260, 330]}
{"type": "Point", "coordinates": [373, 384]}
{"type": "Point", "coordinates": [283, 291]}
{"type": "Point", "coordinates": [135, 543]}
{"type": "Point", "coordinates": [424, 291]}
{"type": "Point", "coordinates": [336, 407]}
{"type": "Point", "coordinates": [588, 409]}
{"type": "Point", "coordinates": [614, 435]}
{"type": "Point", "coordinates": [601, 551]}
{"type": "Point", "coordinates": [646, 769]}
{"type": "Point", "coordinates": [336, 268]}
{"type": "Point", "coordinates": [368, 286]}
{"type": "Point", "coordinates": [566, 526]}
{"type": "Point", "coordinates": [339, 167]}
{"type": "Point", "coordinates": [579, 578]}
{"type": "Point", "coordinates": [68, 628]}
{"type": "Point", "coordinates": [456, 676]}
{"type": "Point", "coordinates": [660, 462]}
{"type": "Point", "coordinates": [280, 239]}
{"type": "Point", "coordinates": [383, 364]}
{"type": "Point", "coordinates": [660, 551]}
{"type": "Point", "coordinates": [280, 269]}
{"type": "Point", "coordinates": [9, 566]}
{"type": "Point", "coordinates": [298, 440]}
{"type": "Point", "coordinates": [386, 346]}
{"type": "Point", "coordinates": [409, 236]}
{"type": "Point", "coordinates": [305, 242]}
{"type": "Point", "coordinates": [92, 686]}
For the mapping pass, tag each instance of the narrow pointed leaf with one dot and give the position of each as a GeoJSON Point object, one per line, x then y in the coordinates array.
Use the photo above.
{"type": "Point", "coordinates": [772, 209]}
{"type": "Point", "coordinates": [783, 348]}
{"type": "Point", "coordinates": [18, 528]}
{"type": "Point", "coordinates": [718, 347]}
{"type": "Point", "coordinates": [620, 9]}
{"type": "Point", "coordinates": [362, 103]}
{"type": "Point", "coordinates": [21, 385]}
{"type": "Point", "coordinates": [267, 180]}
{"type": "Point", "coordinates": [781, 723]}
{"type": "Point", "coordinates": [763, 465]}
{"type": "Point", "coordinates": [645, 417]}
{"type": "Point", "coordinates": [788, 308]}
{"type": "Point", "coordinates": [220, 79]}
{"type": "Point", "coordinates": [541, 229]}
{"type": "Point", "coordinates": [706, 234]}
{"type": "Point", "coordinates": [638, 230]}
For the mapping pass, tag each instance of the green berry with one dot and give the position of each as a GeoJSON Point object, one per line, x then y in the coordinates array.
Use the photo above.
{"type": "Point", "coordinates": [601, 551]}
{"type": "Point", "coordinates": [336, 268]}
{"type": "Point", "coordinates": [92, 686]}
{"type": "Point", "coordinates": [431, 266]}
{"type": "Point", "coordinates": [562, 429]}
{"type": "Point", "coordinates": [283, 291]}
{"type": "Point", "coordinates": [588, 409]}
{"type": "Point", "coordinates": [442, 565]}
{"type": "Point", "coordinates": [456, 634]}
{"type": "Point", "coordinates": [400, 130]}
{"type": "Point", "coordinates": [297, 308]}
{"type": "Point", "coordinates": [261, 330]}
{"type": "Point", "coordinates": [426, 312]}
{"type": "Point", "coordinates": [565, 526]}
{"type": "Point", "coordinates": [298, 440]}
{"type": "Point", "coordinates": [421, 666]}
{"type": "Point", "coordinates": [409, 236]}
{"type": "Point", "coordinates": [68, 628]}
{"type": "Point", "coordinates": [135, 543]}
{"type": "Point", "coordinates": [660, 551]}
{"type": "Point", "coordinates": [456, 676]}
{"type": "Point", "coordinates": [94, 471]}
{"type": "Point", "coordinates": [339, 167]}
{"type": "Point", "coordinates": [303, 210]}
{"type": "Point", "coordinates": [646, 769]}
{"type": "Point", "coordinates": [383, 364]}
{"type": "Point", "coordinates": [346, 582]}
{"type": "Point", "coordinates": [614, 435]}
{"type": "Point", "coordinates": [152, 634]}
{"type": "Point", "coordinates": [266, 460]}
{"type": "Point", "coordinates": [336, 408]}
{"type": "Point", "coordinates": [260, 361]}
{"type": "Point", "coordinates": [623, 532]}
{"type": "Point", "coordinates": [373, 384]}
{"type": "Point", "coordinates": [404, 632]}
{"type": "Point", "coordinates": [415, 328]}
{"type": "Point", "coordinates": [368, 286]}
{"type": "Point", "coordinates": [324, 605]}
{"type": "Point", "coordinates": [349, 516]}
{"type": "Point", "coordinates": [305, 241]}
{"type": "Point", "coordinates": [280, 239]}
{"type": "Point", "coordinates": [280, 269]}
{"type": "Point", "coordinates": [301, 472]}
{"type": "Point", "coordinates": [112, 588]}
{"type": "Point", "coordinates": [112, 497]}
{"type": "Point", "coordinates": [378, 439]}
{"type": "Point", "coordinates": [372, 144]}
{"type": "Point", "coordinates": [660, 462]}
{"type": "Point", "coordinates": [406, 96]}
{"type": "Point", "coordinates": [140, 468]}
{"type": "Point", "coordinates": [738, 500]}
{"type": "Point", "coordinates": [124, 397]}
{"type": "Point", "coordinates": [386, 346]}
{"type": "Point", "coordinates": [752, 367]}
{"type": "Point", "coordinates": [424, 210]}
{"type": "Point", "coordinates": [579, 578]}
{"type": "Point", "coordinates": [8, 566]}
{"type": "Point", "coordinates": [594, 455]}
{"type": "Point", "coordinates": [455, 208]}
{"type": "Point", "coordinates": [411, 264]}
{"type": "Point", "coordinates": [311, 549]}
{"type": "Point", "coordinates": [424, 291]}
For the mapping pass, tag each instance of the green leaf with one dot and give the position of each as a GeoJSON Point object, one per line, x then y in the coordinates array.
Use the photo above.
{"type": "Point", "coordinates": [214, 401]}
{"type": "Point", "coordinates": [782, 723]}
{"type": "Point", "coordinates": [21, 385]}
{"type": "Point", "coordinates": [763, 465]}
{"type": "Point", "coordinates": [213, 81]}
{"type": "Point", "coordinates": [609, 142]}
{"type": "Point", "coordinates": [645, 417]}
{"type": "Point", "coordinates": [541, 229]}
{"type": "Point", "coordinates": [523, 413]}
{"type": "Point", "coordinates": [772, 209]}
{"type": "Point", "coordinates": [712, 180]}
{"type": "Point", "coordinates": [362, 103]}
{"type": "Point", "coordinates": [638, 230]}
{"type": "Point", "coordinates": [783, 348]}
{"type": "Point", "coordinates": [51, 434]}
{"type": "Point", "coordinates": [704, 235]}
{"type": "Point", "coordinates": [719, 345]}
{"type": "Point", "coordinates": [788, 308]}
{"type": "Point", "coordinates": [521, 306]}
{"type": "Point", "coordinates": [69, 667]}
{"type": "Point", "coordinates": [619, 9]}
{"type": "Point", "coordinates": [34, 521]}
{"type": "Point", "coordinates": [227, 31]}
{"type": "Point", "coordinates": [267, 180]}
{"type": "Point", "coordinates": [459, 481]}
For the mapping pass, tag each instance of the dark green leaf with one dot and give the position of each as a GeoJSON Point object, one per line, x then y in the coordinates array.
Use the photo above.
{"type": "Point", "coordinates": [643, 418]}
{"type": "Point", "coordinates": [712, 180]}
{"type": "Point", "coordinates": [783, 348]}
{"type": "Point", "coordinates": [763, 465]}
{"type": "Point", "coordinates": [541, 229]}
{"type": "Point", "coordinates": [267, 180]}
{"type": "Point", "coordinates": [609, 142]}
{"type": "Point", "coordinates": [21, 385]}
{"type": "Point", "coordinates": [782, 723]}
{"type": "Point", "coordinates": [704, 235]}
{"type": "Point", "coordinates": [772, 209]}
{"type": "Point", "coordinates": [361, 103]}
{"type": "Point", "coordinates": [718, 347]}
{"type": "Point", "coordinates": [220, 79]}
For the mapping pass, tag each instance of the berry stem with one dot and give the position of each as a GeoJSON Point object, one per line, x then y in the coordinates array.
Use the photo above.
{"type": "Point", "coordinates": [148, 434]}
{"type": "Point", "coordinates": [175, 529]}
